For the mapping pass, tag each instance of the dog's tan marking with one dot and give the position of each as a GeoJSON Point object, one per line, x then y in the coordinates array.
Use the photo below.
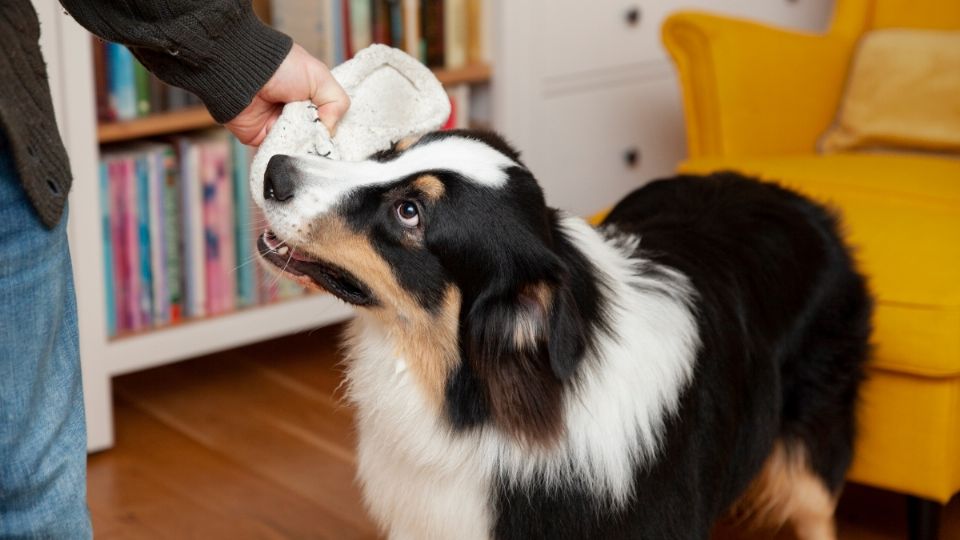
{"type": "Point", "coordinates": [426, 341]}
{"type": "Point", "coordinates": [431, 187]}
{"type": "Point", "coordinates": [531, 320]}
{"type": "Point", "coordinates": [406, 142]}
{"type": "Point", "coordinates": [786, 490]}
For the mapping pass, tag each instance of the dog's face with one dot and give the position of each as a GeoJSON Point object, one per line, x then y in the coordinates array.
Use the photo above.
{"type": "Point", "coordinates": [448, 240]}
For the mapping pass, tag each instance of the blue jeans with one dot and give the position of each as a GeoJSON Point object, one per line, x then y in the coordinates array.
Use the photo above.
{"type": "Point", "coordinates": [43, 451]}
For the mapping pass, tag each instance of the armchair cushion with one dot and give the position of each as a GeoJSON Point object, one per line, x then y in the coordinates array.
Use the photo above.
{"type": "Point", "coordinates": [902, 216]}
{"type": "Point", "coordinates": [903, 92]}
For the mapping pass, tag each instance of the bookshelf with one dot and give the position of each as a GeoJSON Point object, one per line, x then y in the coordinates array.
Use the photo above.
{"type": "Point", "coordinates": [67, 49]}
{"type": "Point", "coordinates": [194, 118]}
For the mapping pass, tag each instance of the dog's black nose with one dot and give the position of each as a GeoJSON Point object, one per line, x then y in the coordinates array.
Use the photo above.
{"type": "Point", "coordinates": [281, 179]}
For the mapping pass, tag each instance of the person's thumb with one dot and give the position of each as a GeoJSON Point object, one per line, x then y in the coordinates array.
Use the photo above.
{"type": "Point", "coordinates": [331, 101]}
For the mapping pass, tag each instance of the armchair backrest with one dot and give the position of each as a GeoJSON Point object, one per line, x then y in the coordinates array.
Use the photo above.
{"type": "Point", "coordinates": [853, 17]}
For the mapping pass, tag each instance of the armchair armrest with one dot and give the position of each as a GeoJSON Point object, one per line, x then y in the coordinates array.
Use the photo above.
{"type": "Point", "coordinates": [750, 89]}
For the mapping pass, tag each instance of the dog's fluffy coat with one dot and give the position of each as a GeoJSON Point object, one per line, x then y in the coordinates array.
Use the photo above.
{"type": "Point", "coordinates": [519, 374]}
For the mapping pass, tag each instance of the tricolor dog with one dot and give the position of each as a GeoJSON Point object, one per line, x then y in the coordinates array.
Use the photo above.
{"type": "Point", "coordinates": [520, 374]}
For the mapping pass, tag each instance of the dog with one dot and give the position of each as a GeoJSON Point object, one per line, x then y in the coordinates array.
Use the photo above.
{"type": "Point", "coordinates": [520, 374]}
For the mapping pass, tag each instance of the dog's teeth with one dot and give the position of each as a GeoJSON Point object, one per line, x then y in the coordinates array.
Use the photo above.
{"type": "Point", "coordinates": [401, 366]}
{"type": "Point", "coordinates": [283, 250]}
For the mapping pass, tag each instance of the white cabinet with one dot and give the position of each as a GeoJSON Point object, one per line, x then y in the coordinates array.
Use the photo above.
{"type": "Point", "coordinates": [585, 91]}
{"type": "Point", "coordinates": [590, 154]}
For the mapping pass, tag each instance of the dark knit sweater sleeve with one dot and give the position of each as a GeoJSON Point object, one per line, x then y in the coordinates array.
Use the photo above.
{"type": "Point", "coordinates": [217, 49]}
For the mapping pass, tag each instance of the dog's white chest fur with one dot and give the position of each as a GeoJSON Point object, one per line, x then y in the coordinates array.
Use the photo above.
{"type": "Point", "coordinates": [420, 480]}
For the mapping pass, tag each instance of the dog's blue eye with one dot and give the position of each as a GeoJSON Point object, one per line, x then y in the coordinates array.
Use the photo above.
{"type": "Point", "coordinates": [408, 214]}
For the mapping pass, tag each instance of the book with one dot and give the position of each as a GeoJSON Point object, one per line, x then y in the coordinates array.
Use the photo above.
{"type": "Point", "coordinates": [309, 22]}
{"type": "Point", "coordinates": [361, 32]}
{"type": "Point", "coordinates": [130, 268]}
{"type": "Point", "coordinates": [432, 33]}
{"type": "Point", "coordinates": [172, 246]}
{"type": "Point", "coordinates": [121, 83]}
{"type": "Point", "coordinates": [476, 26]}
{"type": "Point", "coordinates": [345, 27]}
{"type": "Point", "coordinates": [244, 232]}
{"type": "Point", "coordinates": [192, 229]}
{"type": "Point", "coordinates": [411, 28]}
{"type": "Point", "coordinates": [454, 34]}
{"type": "Point", "coordinates": [380, 21]}
{"type": "Point", "coordinates": [211, 232]}
{"type": "Point", "coordinates": [105, 112]}
{"type": "Point", "coordinates": [226, 225]}
{"type": "Point", "coordinates": [115, 168]}
{"type": "Point", "coordinates": [144, 267]}
{"type": "Point", "coordinates": [396, 23]}
{"type": "Point", "coordinates": [156, 180]}
{"type": "Point", "coordinates": [106, 231]}
{"type": "Point", "coordinates": [339, 37]}
{"type": "Point", "coordinates": [141, 79]}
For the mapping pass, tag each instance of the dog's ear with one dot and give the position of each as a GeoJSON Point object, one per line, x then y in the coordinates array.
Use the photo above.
{"type": "Point", "coordinates": [523, 345]}
{"type": "Point", "coordinates": [566, 340]}
{"type": "Point", "coordinates": [541, 321]}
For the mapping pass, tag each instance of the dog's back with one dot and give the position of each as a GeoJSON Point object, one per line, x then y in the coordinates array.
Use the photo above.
{"type": "Point", "coordinates": [784, 322]}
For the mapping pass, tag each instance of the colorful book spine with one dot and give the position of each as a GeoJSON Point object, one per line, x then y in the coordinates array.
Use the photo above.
{"type": "Point", "coordinates": [454, 34]}
{"type": "Point", "coordinates": [105, 112]}
{"type": "Point", "coordinates": [346, 25]}
{"type": "Point", "coordinates": [142, 211]}
{"type": "Point", "coordinates": [211, 232]}
{"type": "Point", "coordinates": [109, 271]}
{"type": "Point", "coordinates": [476, 40]}
{"type": "Point", "coordinates": [131, 240]}
{"type": "Point", "coordinates": [121, 272]}
{"type": "Point", "coordinates": [244, 228]}
{"type": "Point", "coordinates": [226, 226]}
{"type": "Point", "coordinates": [432, 32]}
{"type": "Point", "coordinates": [411, 30]}
{"type": "Point", "coordinates": [172, 246]}
{"type": "Point", "coordinates": [396, 22]}
{"type": "Point", "coordinates": [121, 81]}
{"type": "Point", "coordinates": [380, 21]}
{"type": "Point", "coordinates": [193, 241]}
{"type": "Point", "coordinates": [161, 306]}
{"type": "Point", "coordinates": [142, 83]}
{"type": "Point", "coordinates": [336, 23]}
{"type": "Point", "coordinates": [361, 20]}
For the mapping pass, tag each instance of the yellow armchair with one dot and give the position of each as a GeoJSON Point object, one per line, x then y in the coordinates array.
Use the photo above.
{"type": "Point", "coordinates": [756, 100]}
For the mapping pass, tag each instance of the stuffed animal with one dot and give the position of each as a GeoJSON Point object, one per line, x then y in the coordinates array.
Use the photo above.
{"type": "Point", "coordinates": [392, 96]}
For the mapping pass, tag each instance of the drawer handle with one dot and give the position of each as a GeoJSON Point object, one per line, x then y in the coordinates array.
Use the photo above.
{"type": "Point", "coordinates": [632, 158]}
{"type": "Point", "coordinates": [633, 16]}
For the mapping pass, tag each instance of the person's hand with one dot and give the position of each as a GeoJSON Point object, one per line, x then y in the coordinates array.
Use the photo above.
{"type": "Point", "coordinates": [300, 77]}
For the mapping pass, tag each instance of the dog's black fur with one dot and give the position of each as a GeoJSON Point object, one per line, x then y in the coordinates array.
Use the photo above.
{"type": "Point", "coordinates": [784, 321]}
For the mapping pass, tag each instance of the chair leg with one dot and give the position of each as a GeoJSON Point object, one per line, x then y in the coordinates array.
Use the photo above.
{"type": "Point", "coordinates": [923, 518]}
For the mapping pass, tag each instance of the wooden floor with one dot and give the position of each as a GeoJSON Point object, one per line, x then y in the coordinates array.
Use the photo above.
{"type": "Point", "coordinates": [256, 443]}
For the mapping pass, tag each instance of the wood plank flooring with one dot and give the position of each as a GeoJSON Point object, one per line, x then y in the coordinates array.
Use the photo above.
{"type": "Point", "coordinates": [257, 443]}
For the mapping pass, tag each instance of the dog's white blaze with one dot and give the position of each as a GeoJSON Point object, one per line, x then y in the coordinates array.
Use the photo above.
{"type": "Point", "coordinates": [326, 182]}
{"type": "Point", "coordinates": [422, 480]}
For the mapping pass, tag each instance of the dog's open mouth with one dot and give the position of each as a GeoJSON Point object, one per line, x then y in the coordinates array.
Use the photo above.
{"type": "Point", "coordinates": [327, 276]}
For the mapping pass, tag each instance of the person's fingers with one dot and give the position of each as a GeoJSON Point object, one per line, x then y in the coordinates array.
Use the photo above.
{"type": "Point", "coordinates": [331, 100]}
{"type": "Point", "coordinates": [252, 125]}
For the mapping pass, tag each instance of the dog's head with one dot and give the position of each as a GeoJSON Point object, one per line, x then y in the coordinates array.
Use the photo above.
{"type": "Point", "coordinates": [448, 239]}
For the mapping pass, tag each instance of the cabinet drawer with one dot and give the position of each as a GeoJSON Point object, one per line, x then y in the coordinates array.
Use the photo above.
{"type": "Point", "coordinates": [590, 149]}
{"type": "Point", "coordinates": [574, 36]}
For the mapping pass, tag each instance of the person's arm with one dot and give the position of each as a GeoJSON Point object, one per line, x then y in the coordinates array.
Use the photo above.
{"type": "Point", "coordinates": [220, 51]}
